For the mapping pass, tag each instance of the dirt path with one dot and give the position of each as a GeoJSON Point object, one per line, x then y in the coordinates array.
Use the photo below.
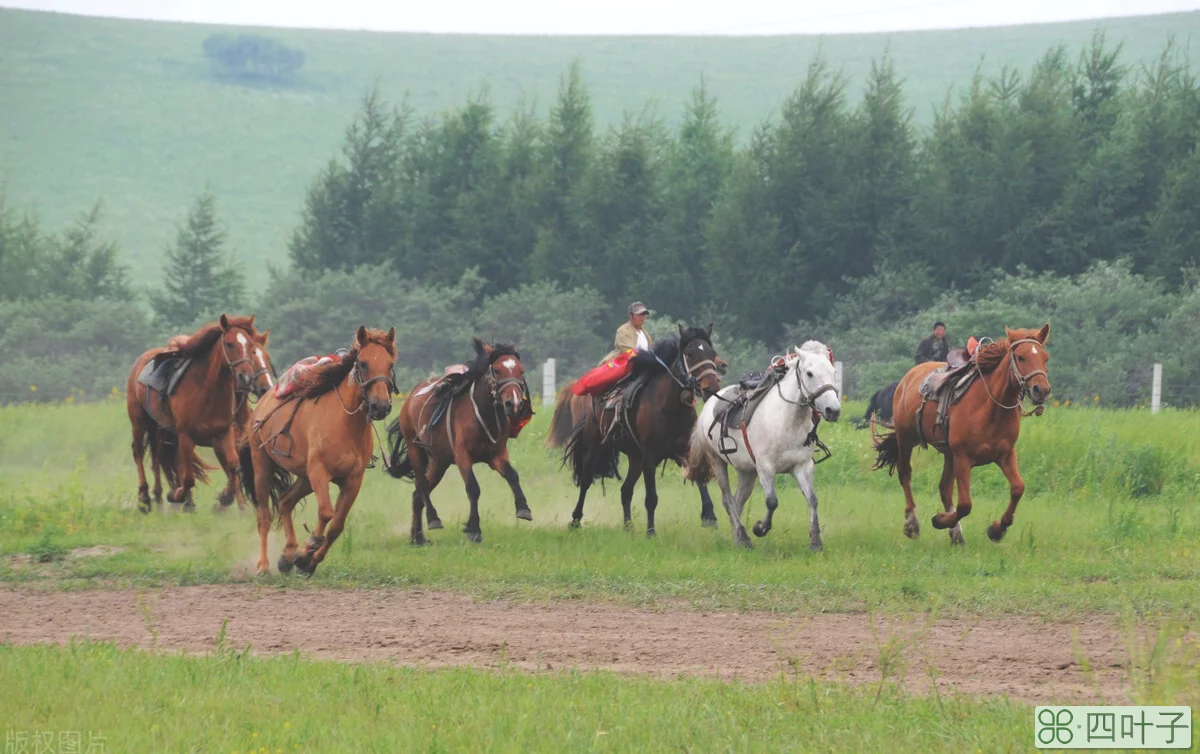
{"type": "Point", "coordinates": [1024, 658]}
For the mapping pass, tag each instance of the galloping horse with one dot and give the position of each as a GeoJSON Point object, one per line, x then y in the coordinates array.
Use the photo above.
{"type": "Point", "coordinates": [222, 363]}
{"type": "Point", "coordinates": [778, 440]}
{"type": "Point", "coordinates": [656, 416]}
{"type": "Point", "coordinates": [321, 432]}
{"type": "Point", "coordinates": [983, 427]}
{"type": "Point", "coordinates": [478, 409]}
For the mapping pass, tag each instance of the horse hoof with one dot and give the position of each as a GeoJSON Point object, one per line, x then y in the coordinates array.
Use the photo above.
{"type": "Point", "coordinates": [744, 542]}
{"type": "Point", "coordinates": [760, 530]}
{"type": "Point", "coordinates": [816, 547]}
{"type": "Point", "coordinates": [305, 565]}
{"type": "Point", "coordinates": [650, 534]}
{"type": "Point", "coordinates": [996, 533]}
{"type": "Point", "coordinates": [939, 522]}
{"type": "Point", "coordinates": [473, 536]}
{"type": "Point", "coordinates": [628, 525]}
{"type": "Point", "coordinates": [912, 529]}
{"type": "Point", "coordinates": [144, 505]}
{"type": "Point", "coordinates": [418, 540]}
{"type": "Point", "coordinates": [435, 523]}
{"type": "Point", "coordinates": [284, 565]}
{"type": "Point", "coordinates": [225, 499]}
{"type": "Point", "coordinates": [575, 524]}
{"type": "Point", "coordinates": [524, 514]}
{"type": "Point", "coordinates": [708, 523]}
{"type": "Point", "coordinates": [189, 506]}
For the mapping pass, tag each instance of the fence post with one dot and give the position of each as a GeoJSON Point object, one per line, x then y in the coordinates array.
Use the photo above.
{"type": "Point", "coordinates": [837, 378]}
{"type": "Point", "coordinates": [548, 383]}
{"type": "Point", "coordinates": [1156, 390]}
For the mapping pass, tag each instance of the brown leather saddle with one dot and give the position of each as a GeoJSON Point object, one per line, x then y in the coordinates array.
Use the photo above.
{"type": "Point", "coordinates": [946, 386]}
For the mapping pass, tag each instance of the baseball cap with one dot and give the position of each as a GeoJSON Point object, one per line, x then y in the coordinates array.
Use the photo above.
{"type": "Point", "coordinates": [637, 307]}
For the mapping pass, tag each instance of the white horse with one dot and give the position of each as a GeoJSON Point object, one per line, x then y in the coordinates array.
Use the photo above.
{"type": "Point", "coordinates": [774, 441]}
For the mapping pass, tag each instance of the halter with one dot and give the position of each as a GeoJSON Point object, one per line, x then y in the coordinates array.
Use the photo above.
{"type": "Point", "coordinates": [806, 399]}
{"type": "Point", "coordinates": [240, 395]}
{"type": "Point", "coordinates": [389, 378]}
{"type": "Point", "coordinates": [1022, 380]}
{"type": "Point", "coordinates": [686, 379]}
{"type": "Point", "coordinates": [495, 388]}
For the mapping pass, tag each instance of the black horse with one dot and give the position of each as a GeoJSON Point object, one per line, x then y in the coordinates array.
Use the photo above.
{"type": "Point", "coordinates": [880, 405]}
{"type": "Point", "coordinates": [654, 420]}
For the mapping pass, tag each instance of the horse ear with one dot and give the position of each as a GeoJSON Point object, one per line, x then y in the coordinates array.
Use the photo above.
{"type": "Point", "coordinates": [680, 326]}
{"type": "Point", "coordinates": [262, 337]}
{"type": "Point", "coordinates": [1008, 334]}
{"type": "Point", "coordinates": [360, 337]}
{"type": "Point", "coordinates": [478, 345]}
{"type": "Point", "coordinates": [391, 335]}
{"type": "Point", "coordinates": [1044, 333]}
{"type": "Point", "coordinates": [224, 322]}
{"type": "Point", "coordinates": [710, 332]}
{"type": "Point", "coordinates": [252, 316]}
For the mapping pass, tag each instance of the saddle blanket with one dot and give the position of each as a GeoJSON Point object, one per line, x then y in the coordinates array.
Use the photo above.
{"type": "Point", "coordinates": [297, 374]}
{"type": "Point", "coordinates": [603, 377]}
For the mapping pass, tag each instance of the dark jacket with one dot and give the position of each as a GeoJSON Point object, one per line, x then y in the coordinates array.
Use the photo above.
{"type": "Point", "coordinates": [932, 349]}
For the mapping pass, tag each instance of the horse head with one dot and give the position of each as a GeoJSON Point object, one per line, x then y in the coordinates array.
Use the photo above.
{"type": "Point", "coordinates": [245, 351]}
{"type": "Point", "coordinates": [1028, 357]}
{"type": "Point", "coordinates": [814, 371]}
{"type": "Point", "coordinates": [375, 360]}
{"type": "Point", "coordinates": [505, 376]}
{"type": "Point", "coordinates": [700, 359]}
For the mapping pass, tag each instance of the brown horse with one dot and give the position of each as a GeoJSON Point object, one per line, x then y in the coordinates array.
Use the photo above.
{"type": "Point", "coordinates": [656, 421]}
{"type": "Point", "coordinates": [208, 407]}
{"type": "Point", "coordinates": [460, 420]}
{"type": "Point", "coordinates": [321, 433]}
{"type": "Point", "coordinates": [983, 427]}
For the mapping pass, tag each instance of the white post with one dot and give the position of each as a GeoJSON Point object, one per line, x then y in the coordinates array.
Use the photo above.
{"type": "Point", "coordinates": [837, 378]}
{"type": "Point", "coordinates": [548, 383]}
{"type": "Point", "coordinates": [1156, 390]}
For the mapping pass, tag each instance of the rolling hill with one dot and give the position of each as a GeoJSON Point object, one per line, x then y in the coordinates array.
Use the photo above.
{"type": "Point", "coordinates": [130, 113]}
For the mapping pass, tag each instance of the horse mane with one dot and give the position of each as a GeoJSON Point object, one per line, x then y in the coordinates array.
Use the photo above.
{"type": "Point", "coordinates": [667, 350]}
{"type": "Point", "coordinates": [484, 359]}
{"type": "Point", "coordinates": [326, 377]}
{"type": "Point", "coordinates": [989, 357]}
{"type": "Point", "coordinates": [201, 342]}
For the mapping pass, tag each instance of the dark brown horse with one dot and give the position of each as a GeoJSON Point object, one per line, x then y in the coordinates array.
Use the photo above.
{"type": "Point", "coordinates": [655, 420]}
{"type": "Point", "coordinates": [321, 433]}
{"type": "Point", "coordinates": [983, 428]}
{"type": "Point", "coordinates": [460, 420]}
{"type": "Point", "coordinates": [227, 361]}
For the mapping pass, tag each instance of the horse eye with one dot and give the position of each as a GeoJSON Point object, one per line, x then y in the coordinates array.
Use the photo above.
{"type": "Point", "coordinates": [810, 374]}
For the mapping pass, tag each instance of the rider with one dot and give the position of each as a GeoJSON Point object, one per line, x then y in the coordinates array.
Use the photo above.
{"type": "Point", "coordinates": [934, 347]}
{"type": "Point", "coordinates": [631, 335]}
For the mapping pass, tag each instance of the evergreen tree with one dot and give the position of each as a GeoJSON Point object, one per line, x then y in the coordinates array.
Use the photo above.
{"type": "Point", "coordinates": [199, 280]}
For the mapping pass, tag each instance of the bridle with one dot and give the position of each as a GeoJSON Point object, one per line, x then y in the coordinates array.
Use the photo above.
{"type": "Point", "coordinates": [688, 379]}
{"type": "Point", "coordinates": [388, 378]}
{"type": "Point", "coordinates": [495, 390]}
{"type": "Point", "coordinates": [807, 398]}
{"type": "Point", "coordinates": [1022, 380]}
{"type": "Point", "coordinates": [241, 394]}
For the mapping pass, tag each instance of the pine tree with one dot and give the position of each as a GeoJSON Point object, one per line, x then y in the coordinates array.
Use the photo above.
{"type": "Point", "coordinates": [199, 280]}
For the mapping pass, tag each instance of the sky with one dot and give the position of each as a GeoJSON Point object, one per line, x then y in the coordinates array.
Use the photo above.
{"type": "Point", "coordinates": [693, 17]}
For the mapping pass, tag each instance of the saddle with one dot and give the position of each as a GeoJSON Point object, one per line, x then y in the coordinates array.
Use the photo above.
{"type": "Point", "coordinates": [161, 377]}
{"type": "Point", "coordinates": [946, 386]}
{"type": "Point", "coordinates": [740, 404]}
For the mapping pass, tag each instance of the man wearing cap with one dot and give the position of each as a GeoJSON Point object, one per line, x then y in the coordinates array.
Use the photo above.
{"type": "Point", "coordinates": [631, 336]}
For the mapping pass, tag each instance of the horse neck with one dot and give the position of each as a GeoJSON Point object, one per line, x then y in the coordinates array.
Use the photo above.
{"type": "Point", "coordinates": [219, 374]}
{"type": "Point", "coordinates": [1001, 384]}
{"type": "Point", "coordinates": [790, 390]}
{"type": "Point", "coordinates": [352, 399]}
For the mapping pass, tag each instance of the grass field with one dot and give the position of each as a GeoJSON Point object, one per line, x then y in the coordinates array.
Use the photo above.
{"type": "Point", "coordinates": [1109, 523]}
{"type": "Point", "coordinates": [128, 112]}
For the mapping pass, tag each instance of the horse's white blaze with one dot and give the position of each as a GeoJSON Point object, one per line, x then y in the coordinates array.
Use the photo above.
{"type": "Point", "coordinates": [259, 353]}
{"type": "Point", "coordinates": [509, 363]}
{"type": "Point", "coordinates": [1035, 350]}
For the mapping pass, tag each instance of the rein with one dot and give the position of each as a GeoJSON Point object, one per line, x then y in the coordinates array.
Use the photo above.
{"type": "Point", "coordinates": [1022, 380]}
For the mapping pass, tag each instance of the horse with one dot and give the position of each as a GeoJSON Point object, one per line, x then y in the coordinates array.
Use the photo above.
{"type": "Point", "coordinates": [223, 363]}
{"type": "Point", "coordinates": [778, 440]}
{"type": "Point", "coordinates": [879, 407]}
{"type": "Point", "coordinates": [656, 415]}
{"type": "Point", "coordinates": [983, 427]}
{"type": "Point", "coordinates": [478, 409]}
{"type": "Point", "coordinates": [322, 434]}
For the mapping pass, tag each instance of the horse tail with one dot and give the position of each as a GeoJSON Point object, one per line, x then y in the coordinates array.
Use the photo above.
{"type": "Point", "coordinates": [399, 464]}
{"type": "Point", "coordinates": [872, 407]}
{"type": "Point", "coordinates": [590, 457]}
{"type": "Point", "coordinates": [281, 480]}
{"type": "Point", "coordinates": [562, 424]}
{"type": "Point", "coordinates": [700, 460]}
{"type": "Point", "coordinates": [168, 457]}
{"type": "Point", "coordinates": [887, 450]}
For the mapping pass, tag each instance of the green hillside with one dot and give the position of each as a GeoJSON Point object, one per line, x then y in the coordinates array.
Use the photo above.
{"type": "Point", "coordinates": [129, 111]}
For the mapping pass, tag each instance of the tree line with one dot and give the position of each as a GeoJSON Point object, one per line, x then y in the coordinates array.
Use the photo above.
{"type": "Point", "coordinates": [1067, 193]}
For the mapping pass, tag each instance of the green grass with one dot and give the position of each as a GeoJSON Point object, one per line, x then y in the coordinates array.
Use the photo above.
{"type": "Point", "coordinates": [127, 111]}
{"type": "Point", "coordinates": [1109, 523]}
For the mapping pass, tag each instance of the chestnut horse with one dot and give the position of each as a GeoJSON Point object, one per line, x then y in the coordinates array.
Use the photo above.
{"type": "Point", "coordinates": [657, 427]}
{"type": "Point", "coordinates": [460, 420]}
{"type": "Point", "coordinates": [208, 408]}
{"type": "Point", "coordinates": [321, 433]}
{"type": "Point", "coordinates": [983, 427]}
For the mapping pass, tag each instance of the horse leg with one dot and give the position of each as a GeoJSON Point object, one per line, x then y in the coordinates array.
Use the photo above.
{"type": "Point", "coordinates": [156, 468]}
{"type": "Point", "coordinates": [707, 517]}
{"type": "Point", "coordinates": [721, 472]}
{"type": "Point", "coordinates": [471, 529]}
{"type": "Point", "coordinates": [420, 497]}
{"type": "Point", "coordinates": [648, 470]}
{"type": "Point", "coordinates": [320, 479]}
{"type": "Point", "coordinates": [262, 494]}
{"type": "Point", "coordinates": [139, 452]}
{"type": "Point", "coordinates": [286, 503]}
{"type": "Point", "coordinates": [505, 469]}
{"type": "Point", "coordinates": [912, 527]}
{"type": "Point", "coordinates": [577, 514]}
{"type": "Point", "coordinates": [946, 490]}
{"type": "Point", "coordinates": [635, 470]}
{"type": "Point", "coordinates": [226, 454]}
{"type": "Point", "coordinates": [347, 494]}
{"type": "Point", "coordinates": [962, 474]}
{"type": "Point", "coordinates": [804, 478]}
{"type": "Point", "coordinates": [766, 477]}
{"type": "Point", "coordinates": [1016, 488]}
{"type": "Point", "coordinates": [184, 451]}
{"type": "Point", "coordinates": [746, 479]}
